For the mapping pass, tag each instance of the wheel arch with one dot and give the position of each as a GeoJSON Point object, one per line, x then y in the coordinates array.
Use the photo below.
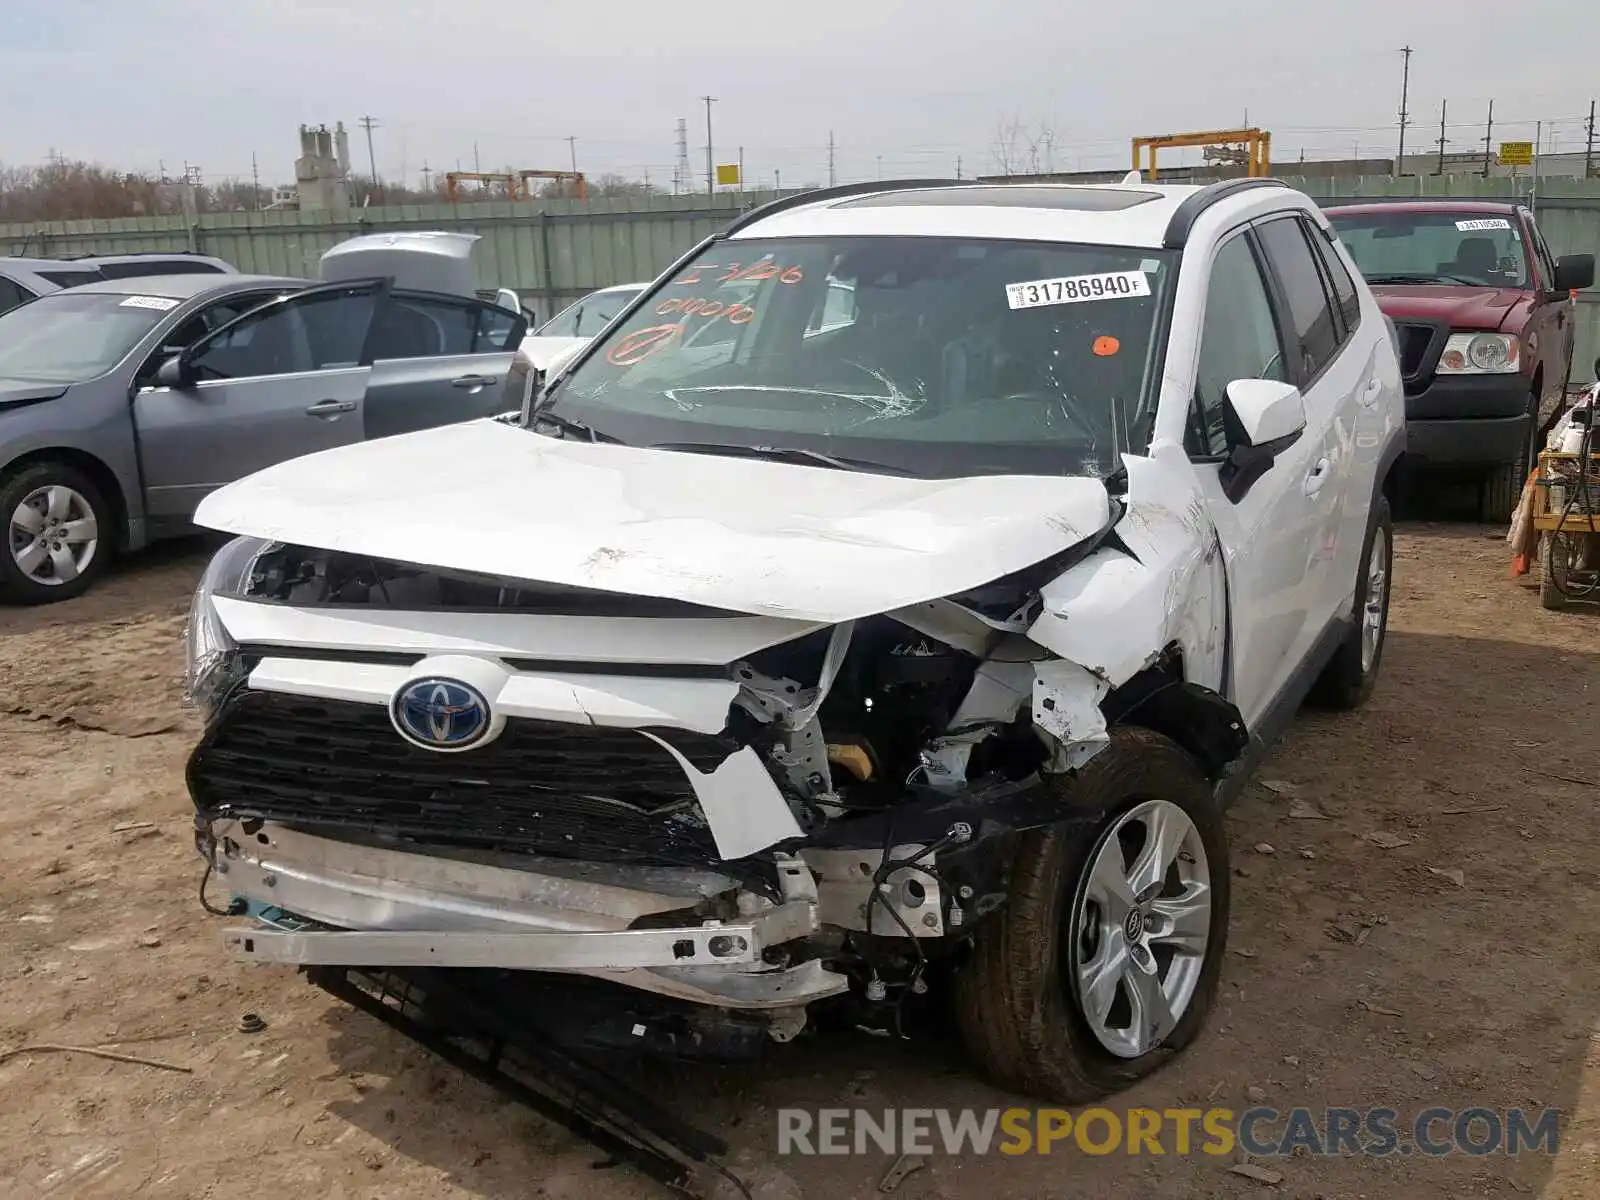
{"type": "Point", "coordinates": [92, 467]}
{"type": "Point", "coordinates": [1161, 698]}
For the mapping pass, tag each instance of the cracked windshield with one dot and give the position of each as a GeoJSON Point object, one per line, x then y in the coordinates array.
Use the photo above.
{"type": "Point", "coordinates": [935, 356]}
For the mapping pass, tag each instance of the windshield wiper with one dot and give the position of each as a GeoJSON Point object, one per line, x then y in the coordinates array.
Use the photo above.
{"type": "Point", "coordinates": [1381, 279]}
{"type": "Point", "coordinates": [782, 454]}
{"type": "Point", "coordinates": [567, 425]}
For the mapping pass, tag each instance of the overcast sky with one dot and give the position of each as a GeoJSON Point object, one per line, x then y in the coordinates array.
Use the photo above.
{"type": "Point", "coordinates": [906, 86]}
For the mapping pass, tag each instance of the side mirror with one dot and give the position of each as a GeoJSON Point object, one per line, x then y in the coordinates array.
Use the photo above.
{"type": "Point", "coordinates": [1574, 272]}
{"type": "Point", "coordinates": [1267, 416]}
{"type": "Point", "coordinates": [1267, 411]}
{"type": "Point", "coordinates": [175, 373]}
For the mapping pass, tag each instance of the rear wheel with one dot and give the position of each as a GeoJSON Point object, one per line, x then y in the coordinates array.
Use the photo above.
{"type": "Point", "coordinates": [1104, 963]}
{"type": "Point", "coordinates": [1348, 679]}
{"type": "Point", "coordinates": [57, 524]}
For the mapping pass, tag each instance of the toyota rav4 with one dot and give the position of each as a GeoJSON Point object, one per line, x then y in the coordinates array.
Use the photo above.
{"type": "Point", "coordinates": [880, 610]}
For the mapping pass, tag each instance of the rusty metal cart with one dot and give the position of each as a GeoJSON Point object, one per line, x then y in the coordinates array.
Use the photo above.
{"type": "Point", "coordinates": [1567, 515]}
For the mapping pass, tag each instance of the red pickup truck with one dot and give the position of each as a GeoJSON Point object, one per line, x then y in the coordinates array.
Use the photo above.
{"type": "Point", "coordinates": [1484, 317]}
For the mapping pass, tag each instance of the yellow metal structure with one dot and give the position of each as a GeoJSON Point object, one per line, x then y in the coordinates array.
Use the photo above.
{"type": "Point", "coordinates": [516, 181]}
{"type": "Point", "coordinates": [1254, 148]}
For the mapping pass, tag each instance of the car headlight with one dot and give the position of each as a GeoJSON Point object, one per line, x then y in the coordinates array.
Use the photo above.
{"type": "Point", "coordinates": [211, 657]}
{"type": "Point", "coordinates": [1480, 354]}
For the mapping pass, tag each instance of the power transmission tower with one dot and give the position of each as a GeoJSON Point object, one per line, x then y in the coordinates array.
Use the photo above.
{"type": "Point", "coordinates": [1405, 117]}
{"type": "Point", "coordinates": [1488, 141]}
{"type": "Point", "coordinates": [1444, 106]}
{"type": "Point", "coordinates": [1588, 147]}
{"type": "Point", "coordinates": [830, 158]}
{"type": "Point", "coordinates": [682, 173]}
{"type": "Point", "coordinates": [958, 166]}
{"type": "Point", "coordinates": [369, 125]}
{"type": "Point", "coordinates": [255, 181]}
{"type": "Point", "coordinates": [427, 176]}
{"type": "Point", "coordinates": [711, 175]}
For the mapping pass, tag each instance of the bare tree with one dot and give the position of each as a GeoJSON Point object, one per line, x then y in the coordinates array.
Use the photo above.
{"type": "Point", "coordinates": [1022, 148]}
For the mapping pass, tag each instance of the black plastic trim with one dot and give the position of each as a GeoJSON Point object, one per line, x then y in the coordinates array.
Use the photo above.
{"type": "Point", "coordinates": [1183, 218]}
{"type": "Point", "coordinates": [843, 191]}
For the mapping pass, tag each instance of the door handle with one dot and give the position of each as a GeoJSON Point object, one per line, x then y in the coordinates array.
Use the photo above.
{"type": "Point", "coordinates": [472, 383]}
{"type": "Point", "coordinates": [1318, 476]}
{"type": "Point", "coordinates": [331, 408]}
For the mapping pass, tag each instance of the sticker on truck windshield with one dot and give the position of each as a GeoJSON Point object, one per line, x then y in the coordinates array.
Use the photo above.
{"type": "Point", "coordinates": [159, 303]}
{"type": "Point", "coordinates": [1483, 223]}
{"type": "Point", "coordinates": [1075, 289]}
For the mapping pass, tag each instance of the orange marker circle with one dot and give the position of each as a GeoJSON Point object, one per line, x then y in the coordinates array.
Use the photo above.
{"type": "Point", "coordinates": [1105, 346]}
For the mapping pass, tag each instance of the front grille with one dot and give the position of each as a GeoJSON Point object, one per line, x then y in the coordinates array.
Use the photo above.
{"type": "Point", "coordinates": [1419, 353]}
{"type": "Point", "coordinates": [568, 791]}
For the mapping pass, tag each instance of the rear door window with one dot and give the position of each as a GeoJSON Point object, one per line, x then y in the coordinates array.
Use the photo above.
{"type": "Point", "coordinates": [1310, 313]}
{"type": "Point", "coordinates": [420, 326]}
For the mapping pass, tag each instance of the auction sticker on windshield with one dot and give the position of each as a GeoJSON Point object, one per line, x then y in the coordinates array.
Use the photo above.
{"type": "Point", "coordinates": [1483, 223]}
{"type": "Point", "coordinates": [1075, 289]}
{"type": "Point", "coordinates": [159, 303]}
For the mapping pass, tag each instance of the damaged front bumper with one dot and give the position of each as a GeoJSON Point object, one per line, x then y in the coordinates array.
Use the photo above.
{"type": "Point", "coordinates": [323, 902]}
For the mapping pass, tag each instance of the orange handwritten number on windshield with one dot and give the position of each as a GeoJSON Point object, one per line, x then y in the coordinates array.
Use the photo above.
{"type": "Point", "coordinates": [641, 344]}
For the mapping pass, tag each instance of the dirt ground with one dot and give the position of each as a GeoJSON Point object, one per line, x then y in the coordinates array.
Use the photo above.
{"type": "Point", "coordinates": [1358, 974]}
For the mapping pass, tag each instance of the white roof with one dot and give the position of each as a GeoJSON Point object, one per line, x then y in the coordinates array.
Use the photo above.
{"type": "Point", "coordinates": [1046, 212]}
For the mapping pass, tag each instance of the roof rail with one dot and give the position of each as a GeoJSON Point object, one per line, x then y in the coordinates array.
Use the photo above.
{"type": "Point", "coordinates": [844, 190]}
{"type": "Point", "coordinates": [1187, 213]}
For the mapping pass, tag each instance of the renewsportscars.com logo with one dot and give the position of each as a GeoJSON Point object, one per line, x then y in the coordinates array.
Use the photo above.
{"type": "Point", "coordinates": [1262, 1132]}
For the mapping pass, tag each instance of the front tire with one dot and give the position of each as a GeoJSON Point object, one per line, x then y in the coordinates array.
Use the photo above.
{"type": "Point", "coordinates": [1104, 963]}
{"type": "Point", "coordinates": [58, 534]}
{"type": "Point", "coordinates": [1351, 675]}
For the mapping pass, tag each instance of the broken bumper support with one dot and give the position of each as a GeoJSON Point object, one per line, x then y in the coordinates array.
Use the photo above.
{"type": "Point", "coordinates": [715, 944]}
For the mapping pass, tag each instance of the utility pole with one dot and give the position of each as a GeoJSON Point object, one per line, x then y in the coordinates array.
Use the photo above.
{"type": "Point", "coordinates": [1444, 106]}
{"type": "Point", "coordinates": [711, 174]}
{"type": "Point", "coordinates": [427, 177]}
{"type": "Point", "coordinates": [830, 158]}
{"type": "Point", "coordinates": [1488, 141]}
{"type": "Point", "coordinates": [1405, 95]}
{"type": "Point", "coordinates": [1588, 150]}
{"type": "Point", "coordinates": [477, 165]}
{"type": "Point", "coordinates": [880, 166]}
{"type": "Point", "coordinates": [572, 146]}
{"type": "Point", "coordinates": [255, 182]}
{"type": "Point", "coordinates": [741, 170]}
{"type": "Point", "coordinates": [777, 180]}
{"type": "Point", "coordinates": [958, 166]}
{"type": "Point", "coordinates": [369, 125]}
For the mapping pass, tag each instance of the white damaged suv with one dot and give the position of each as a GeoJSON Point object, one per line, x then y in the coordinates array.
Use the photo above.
{"type": "Point", "coordinates": [880, 612]}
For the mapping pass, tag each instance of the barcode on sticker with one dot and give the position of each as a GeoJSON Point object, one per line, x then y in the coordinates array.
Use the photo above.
{"type": "Point", "coordinates": [1075, 289]}
{"type": "Point", "coordinates": [1483, 223]}
{"type": "Point", "coordinates": [159, 303]}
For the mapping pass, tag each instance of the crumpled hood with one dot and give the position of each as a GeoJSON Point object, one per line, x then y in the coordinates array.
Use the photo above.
{"type": "Point", "coordinates": [1459, 307]}
{"type": "Point", "coordinates": [809, 543]}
